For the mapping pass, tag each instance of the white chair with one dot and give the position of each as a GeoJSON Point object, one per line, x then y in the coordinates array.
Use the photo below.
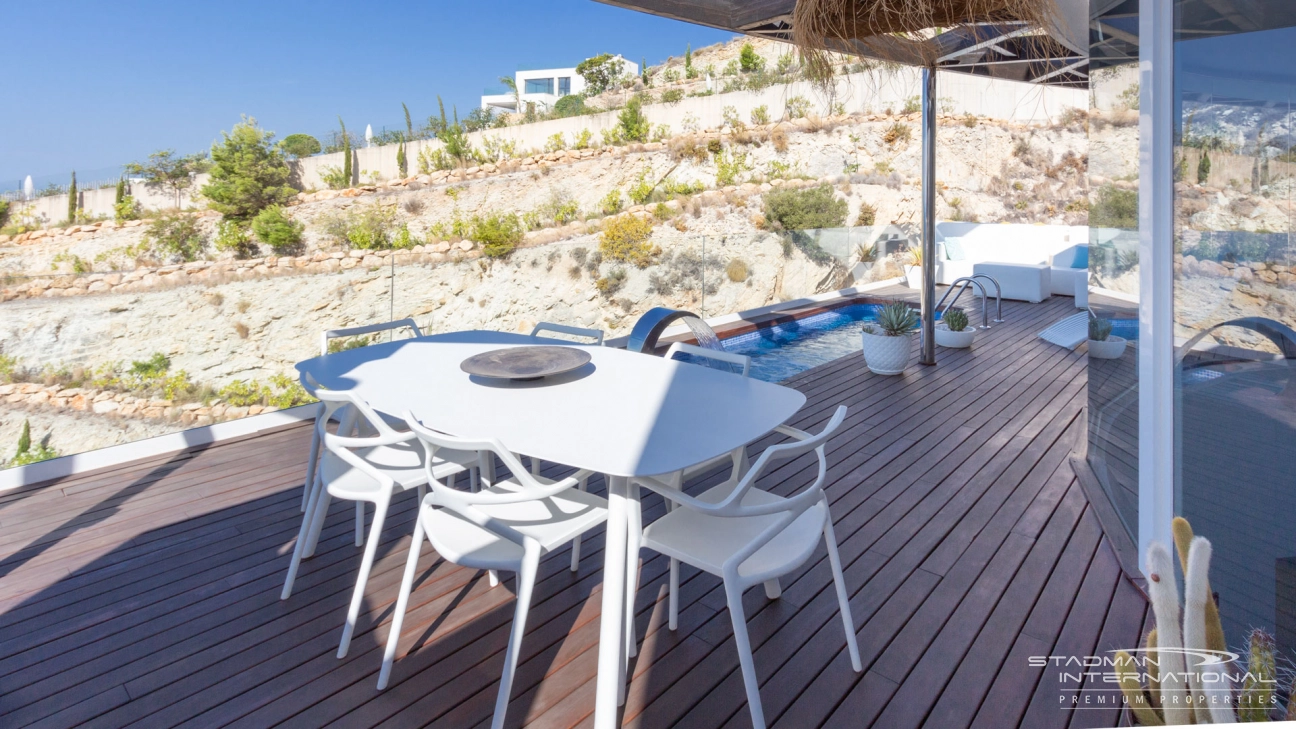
{"type": "Point", "coordinates": [580, 332]}
{"type": "Point", "coordinates": [509, 526]}
{"type": "Point", "coordinates": [364, 469]}
{"type": "Point", "coordinates": [747, 536]}
{"type": "Point", "coordinates": [324, 346]}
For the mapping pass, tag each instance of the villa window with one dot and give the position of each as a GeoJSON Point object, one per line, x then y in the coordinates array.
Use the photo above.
{"type": "Point", "coordinates": [539, 86]}
{"type": "Point", "coordinates": [564, 86]}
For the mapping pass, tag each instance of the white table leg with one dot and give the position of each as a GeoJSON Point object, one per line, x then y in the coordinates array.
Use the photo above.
{"type": "Point", "coordinates": [611, 662]}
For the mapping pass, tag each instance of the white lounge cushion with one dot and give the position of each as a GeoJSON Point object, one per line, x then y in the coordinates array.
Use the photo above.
{"type": "Point", "coordinates": [1020, 281]}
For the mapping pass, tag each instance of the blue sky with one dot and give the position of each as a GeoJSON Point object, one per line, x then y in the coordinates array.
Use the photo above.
{"type": "Point", "coordinates": [99, 84]}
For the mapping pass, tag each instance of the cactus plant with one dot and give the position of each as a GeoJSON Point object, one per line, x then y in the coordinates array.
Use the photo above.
{"type": "Point", "coordinates": [896, 319]}
{"type": "Point", "coordinates": [1256, 698]}
{"type": "Point", "coordinates": [955, 320]}
{"type": "Point", "coordinates": [1099, 329]}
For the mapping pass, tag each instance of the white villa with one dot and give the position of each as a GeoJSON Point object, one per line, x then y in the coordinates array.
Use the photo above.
{"type": "Point", "coordinates": [544, 87]}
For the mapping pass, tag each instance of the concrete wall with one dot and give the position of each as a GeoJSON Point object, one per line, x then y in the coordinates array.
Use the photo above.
{"type": "Point", "coordinates": [99, 202]}
{"type": "Point", "coordinates": [872, 91]}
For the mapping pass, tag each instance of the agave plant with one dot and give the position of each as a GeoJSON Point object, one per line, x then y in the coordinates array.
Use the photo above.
{"type": "Point", "coordinates": [914, 256]}
{"type": "Point", "coordinates": [896, 319]}
{"type": "Point", "coordinates": [955, 320]}
{"type": "Point", "coordinates": [1099, 329]}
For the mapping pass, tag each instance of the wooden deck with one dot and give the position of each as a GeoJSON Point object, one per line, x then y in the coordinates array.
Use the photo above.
{"type": "Point", "coordinates": [148, 594]}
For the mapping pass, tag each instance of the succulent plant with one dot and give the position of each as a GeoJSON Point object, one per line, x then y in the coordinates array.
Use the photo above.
{"type": "Point", "coordinates": [1099, 329]}
{"type": "Point", "coordinates": [955, 320]}
{"type": "Point", "coordinates": [896, 319]}
{"type": "Point", "coordinates": [914, 256]}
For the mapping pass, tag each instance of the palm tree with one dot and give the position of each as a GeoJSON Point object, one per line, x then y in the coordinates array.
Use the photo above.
{"type": "Point", "coordinates": [511, 83]}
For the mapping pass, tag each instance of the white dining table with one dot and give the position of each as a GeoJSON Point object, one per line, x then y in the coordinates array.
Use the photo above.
{"type": "Point", "coordinates": [624, 415]}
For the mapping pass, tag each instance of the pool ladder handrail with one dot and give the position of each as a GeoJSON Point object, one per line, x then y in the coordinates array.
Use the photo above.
{"type": "Point", "coordinates": [965, 281]}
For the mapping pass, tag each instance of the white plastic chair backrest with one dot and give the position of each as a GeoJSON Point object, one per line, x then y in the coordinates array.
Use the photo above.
{"type": "Point", "coordinates": [732, 506]}
{"type": "Point", "coordinates": [544, 326]}
{"type": "Point", "coordinates": [366, 329]}
{"type": "Point", "coordinates": [343, 447]}
{"type": "Point", "coordinates": [463, 503]}
{"type": "Point", "coordinates": [740, 360]}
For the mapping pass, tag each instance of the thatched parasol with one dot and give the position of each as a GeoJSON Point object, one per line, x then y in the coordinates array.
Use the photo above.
{"type": "Point", "coordinates": [901, 30]}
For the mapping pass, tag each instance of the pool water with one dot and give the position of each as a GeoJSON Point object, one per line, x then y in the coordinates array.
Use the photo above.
{"type": "Point", "coordinates": [783, 350]}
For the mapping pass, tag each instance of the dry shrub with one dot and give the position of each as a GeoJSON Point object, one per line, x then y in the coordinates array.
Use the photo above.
{"type": "Point", "coordinates": [897, 132]}
{"type": "Point", "coordinates": [737, 271]}
{"type": "Point", "coordinates": [688, 146]}
{"type": "Point", "coordinates": [241, 329]}
{"type": "Point", "coordinates": [779, 138]}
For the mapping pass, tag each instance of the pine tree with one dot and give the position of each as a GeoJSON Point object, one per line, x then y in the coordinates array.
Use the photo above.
{"type": "Point", "coordinates": [346, 153]}
{"type": "Point", "coordinates": [121, 191]}
{"type": "Point", "coordinates": [72, 199]}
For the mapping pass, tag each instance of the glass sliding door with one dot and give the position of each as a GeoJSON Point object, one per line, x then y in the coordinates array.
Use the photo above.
{"type": "Point", "coordinates": [1235, 305]}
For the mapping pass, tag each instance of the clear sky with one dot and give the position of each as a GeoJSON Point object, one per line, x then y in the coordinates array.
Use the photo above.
{"type": "Point", "coordinates": [91, 85]}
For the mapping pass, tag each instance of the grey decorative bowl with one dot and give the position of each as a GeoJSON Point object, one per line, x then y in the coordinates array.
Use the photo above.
{"type": "Point", "coordinates": [525, 363]}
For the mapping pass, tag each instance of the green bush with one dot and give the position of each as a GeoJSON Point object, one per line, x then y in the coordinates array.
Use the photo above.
{"type": "Point", "coordinates": [300, 145]}
{"type": "Point", "coordinates": [26, 454]}
{"type": "Point", "coordinates": [611, 283]}
{"type": "Point", "coordinates": [672, 96]}
{"type": "Point", "coordinates": [1113, 207]}
{"type": "Point", "coordinates": [730, 166]}
{"type": "Point", "coordinates": [611, 203]}
{"type": "Point", "coordinates": [173, 235]}
{"type": "Point", "coordinates": [281, 392]}
{"type": "Point", "coordinates": [248, 173]}
{"type": "Point", "coordinates": [600, 72]}
{"type": "Point", "coordinates": [815, 207]}
{"type": "Point", "coordinates": [232, 235]}
{"type": "Point", "coordinates": [626, 239]}
{"type": "Point", "coordinates": [796, 107]}
{"type": "Point", "coordinates": [277, 230]}
{"type": "Point", "coordinates": [498, 233]}
{"type": "Point", "coordinates": [569, 105]}
{"type": "Point", "coordinates": [365, 228]}
{"type": "Point", "coordinates": [126, 209]}
{"type": "Point", "coordinates": [4, 213]}
{"type": "Point", "coordinates": [760, 115]}
{"type": "Point", "coordinates": [1204, 167]}
{"type": "Point", "coordinates": [642, 189]}
{"type": "Point", "coordinates": [632, 123]}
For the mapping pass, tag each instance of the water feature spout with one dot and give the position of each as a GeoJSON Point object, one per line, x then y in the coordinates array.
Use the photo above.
{"type": "Point", "coordinates": [643, 338]}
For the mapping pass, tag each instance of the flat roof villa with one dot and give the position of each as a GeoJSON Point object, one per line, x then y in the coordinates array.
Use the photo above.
{"type": "Point", "coordinates": [922, 406]}
{"type": "Point", "coordinates": [543, 87]}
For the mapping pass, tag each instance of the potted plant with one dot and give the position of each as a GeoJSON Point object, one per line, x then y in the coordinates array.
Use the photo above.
{"type": "Point", "coordinates": [953, 330]}
{"type": "Point", "coordinates": [886, 341]}
{"type": "Point", "coordinates": [913, 268]}
{"type": "Point", "coordinates": [1102, 343]}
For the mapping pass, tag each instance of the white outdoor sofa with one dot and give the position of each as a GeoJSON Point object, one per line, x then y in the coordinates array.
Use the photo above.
{"type": "Point", "coordinates": [1015, 254]}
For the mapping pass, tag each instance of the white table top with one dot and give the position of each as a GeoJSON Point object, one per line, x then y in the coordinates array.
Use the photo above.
{"type": "Point", "coordinates": [624, 414]}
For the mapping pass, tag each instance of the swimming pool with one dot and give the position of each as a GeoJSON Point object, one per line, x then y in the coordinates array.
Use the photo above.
{"type": "Point", "coordinates": [787, 348]}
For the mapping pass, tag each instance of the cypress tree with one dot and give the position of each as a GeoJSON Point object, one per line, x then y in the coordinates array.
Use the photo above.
{"type": "Point", "coordinates": [24, 440]}
{"type": "Point", "coordinates": [401, 162]}
{"type": "Point", "coordinates": [441, 106]}
{"type": "Point", "coordinates": [346, 152]}
{"type": "Point", "coordinates": [1203, 167]}
{"type": "Point", "coordinates": [72, 199]}
{"type": "Point", "coordinates": [121, 191]}
{"type": "Point", "coordinates": [409, 125]}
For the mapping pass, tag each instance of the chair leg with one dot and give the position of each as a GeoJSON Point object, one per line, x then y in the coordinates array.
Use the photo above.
{"type": "Point", "coordinates": [402, 603]}
{"type": "Point", "coordinates": [317, 516]}
{"type": "Point", "coordinates": [422, 490]}
{"type": "Point", "coordinates": [634, 514]}
{"type": "Point", "coordinates": [733, 594]}
{"type": "Point", "coordinates": [303, 538]}
{"type": "Point", "coordinates": [310, 470]}
{"type": "Point", "coordinates": [843, 601]}
{"type": "Point", "coordinates": [583, 485]}
{"type": "Point", "coordinates": [525, 582]}
{"type": "Point", "coordinates": [359, 523]}
{"type": "Point", "coordinates": [673, 621]}
{"type": "Point", "coordinates": [366, 563]}
{"type": "Point", "coordinates": [773, 590]}
{"type": "Point", "coordinates": [494, 577]}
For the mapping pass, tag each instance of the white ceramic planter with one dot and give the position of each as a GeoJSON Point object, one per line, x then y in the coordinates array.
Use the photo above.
{"type": "Point", "coordinates": [913, 276]}
{"type": "Point", "coordinates": [956, 340]}
{"type": "Point", "coordinates": [886, 355]}
{"type": "Point", "coordinates": [1111, 348]}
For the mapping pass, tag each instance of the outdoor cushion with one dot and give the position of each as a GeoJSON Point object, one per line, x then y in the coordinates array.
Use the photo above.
{"type": "Point", "coordinates": [954, 249]}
